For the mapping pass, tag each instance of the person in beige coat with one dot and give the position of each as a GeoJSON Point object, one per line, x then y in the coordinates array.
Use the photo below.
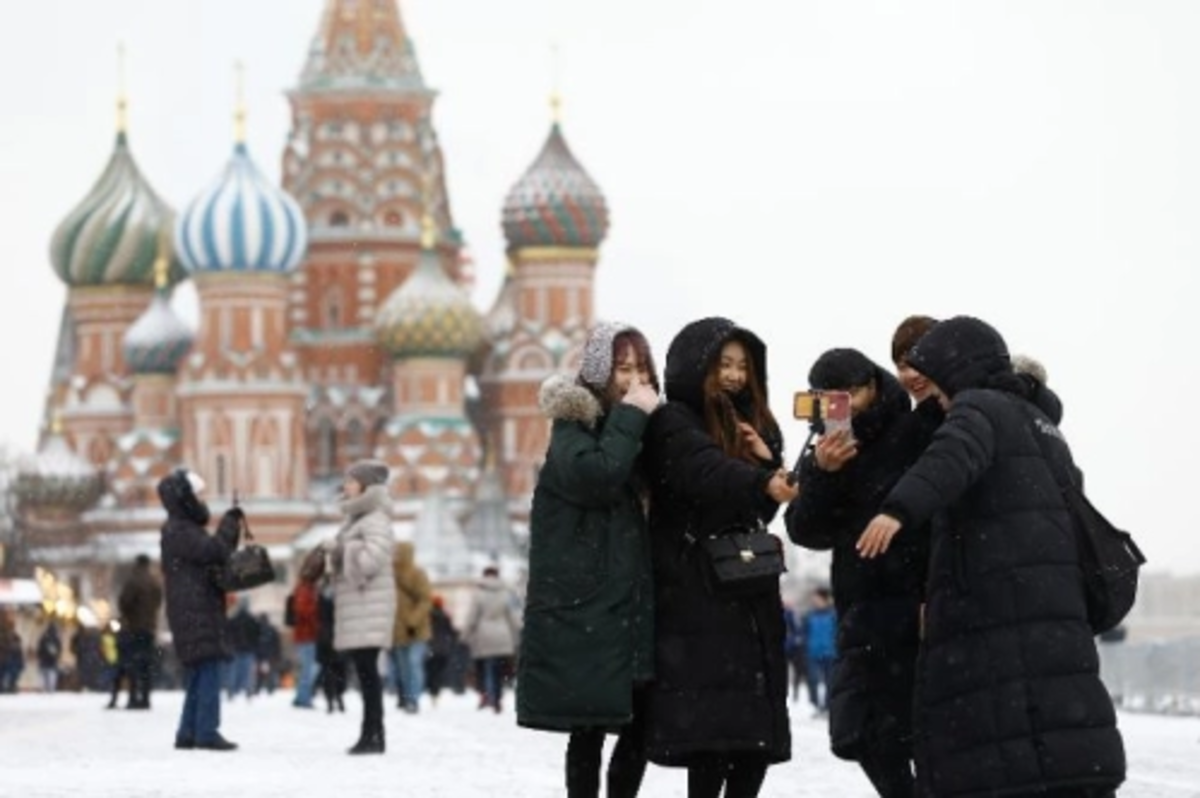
{"type": "Point", "coordinates": [410, 640]}
{"type": "Point", "coordinates": [364, 589]}
{"type": "Point", "coordinates": [492, 632]}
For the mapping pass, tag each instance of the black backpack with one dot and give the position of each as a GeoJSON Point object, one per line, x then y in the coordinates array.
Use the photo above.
{"type": "Point", "coordinates": [1108, 556]}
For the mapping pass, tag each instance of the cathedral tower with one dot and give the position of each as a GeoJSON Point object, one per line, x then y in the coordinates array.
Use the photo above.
{"type": "Point", "coordinates": [554, 220]}
{"type": "Point", "coordinates": [104, 250]}
{"type": "Point", "coordinates": [242, 395]}
{"type": "Point", "coordinates": [361, 143]}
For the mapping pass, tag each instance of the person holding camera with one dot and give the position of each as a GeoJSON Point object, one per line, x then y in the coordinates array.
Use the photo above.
{"type": "Point", "coordinates": [192, 562]}
{"type": "Point", "coordinates": [1010, 699]}
{"type": "Point", "coordinates": [714, 459]}
{"type": "Point", "coordinates": [843, 482]}
{"type": "Point", "coordinates": [587, 649]}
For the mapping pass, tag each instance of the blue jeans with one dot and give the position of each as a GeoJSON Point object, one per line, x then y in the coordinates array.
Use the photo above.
{"type": "Point", "coordinates": [408, 664]}
{"type": "Point", "coordinates": [306, 653]}
{"type": "Point", "coordinates": [490, 672]}
{"type": "Point", "coordinates": [201, 715]}
{"type": "Point", "coordinates": [818, 681]}
{"type": "Point", "coordinates": [241, 674]}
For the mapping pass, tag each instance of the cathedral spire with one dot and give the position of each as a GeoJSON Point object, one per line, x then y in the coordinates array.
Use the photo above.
{"type": "Point", "coordinates": [122, 96]}
{"type": "Point", "coordinates": [362, 44]}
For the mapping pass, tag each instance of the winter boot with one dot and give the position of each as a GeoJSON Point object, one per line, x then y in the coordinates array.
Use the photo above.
{"type": "Point", "coordinates": [369, 743]}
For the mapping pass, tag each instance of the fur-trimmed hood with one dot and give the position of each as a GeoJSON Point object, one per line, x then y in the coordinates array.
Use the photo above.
{"type": "Point", "coordinates": [562, 398]}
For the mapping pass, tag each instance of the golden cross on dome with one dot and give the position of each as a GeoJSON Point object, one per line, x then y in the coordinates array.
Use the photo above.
{"type": "Point", "coordinates": [239, 113]}
{"type": "Point", "coordinates": [555, 81]}
{"type": "Point", "coordinates": [428, 228]}
{"type": "Point", "coordinates": [162, 263]}
{"type": "Point", "coordinates": [122, 99]}
{"type": "Point", "coordinates": [56, 422]}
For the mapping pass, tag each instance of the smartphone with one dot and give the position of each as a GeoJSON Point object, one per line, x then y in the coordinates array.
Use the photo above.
{"type": "Point", "coordinates": [837, 413]}
{"type": "Point", "coordinates": [831, 408]}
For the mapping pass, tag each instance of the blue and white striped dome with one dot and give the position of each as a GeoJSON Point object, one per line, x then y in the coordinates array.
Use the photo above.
{"type": "Point", "coordinates": [241, 223]}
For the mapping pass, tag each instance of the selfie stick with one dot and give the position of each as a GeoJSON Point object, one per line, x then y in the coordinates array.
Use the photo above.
{"type": "Point", "coordinates": [816, 426]}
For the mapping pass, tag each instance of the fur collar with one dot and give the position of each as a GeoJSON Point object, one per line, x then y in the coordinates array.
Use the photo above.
{"type": "Point", "coordinates": [372, 499]}
{"type": "Point", "coordinates": [562, 398]}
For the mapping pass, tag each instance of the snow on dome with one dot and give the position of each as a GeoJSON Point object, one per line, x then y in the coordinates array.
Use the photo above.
{"type": "Point", "coordinates": [158, 340]}
{"type": "Point", "coordinates": [242, 223]}
{"type": "Point", "coordinates": [428, 315]}
{"type": "Point", "coordinates": [56, 478]}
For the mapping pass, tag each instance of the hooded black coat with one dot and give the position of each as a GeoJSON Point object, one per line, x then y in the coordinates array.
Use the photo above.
{"type": "Point", "coordinates": [192, 561]}
{"type": "Point", "coordinates": [720, 673]}
{"type": "Point", "coordinates": [1010, 700]}
{"type": "Point", "coordinates": [878, 600]}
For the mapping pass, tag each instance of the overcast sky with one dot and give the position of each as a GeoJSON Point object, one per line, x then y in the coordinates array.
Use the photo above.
{"type": "Point", "coordinates": [814, 170]}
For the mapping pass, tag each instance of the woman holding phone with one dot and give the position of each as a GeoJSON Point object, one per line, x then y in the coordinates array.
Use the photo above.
{"type": "Point", "coordinates": [718, 705]}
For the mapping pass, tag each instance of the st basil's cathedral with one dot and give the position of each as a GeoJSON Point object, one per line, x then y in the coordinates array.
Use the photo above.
{"type": "Point", "coordinates": [334, 324]}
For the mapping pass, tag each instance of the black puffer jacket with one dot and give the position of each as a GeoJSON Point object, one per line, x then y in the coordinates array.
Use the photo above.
{"type": "Point", "coordinates": [721, 676]}
{"type": "Point", "coordinates": [1010, 700]}
{"type": "Point", "coordinates": [192, 560]}
{"type": "Point", "coordinates": [878, 600]}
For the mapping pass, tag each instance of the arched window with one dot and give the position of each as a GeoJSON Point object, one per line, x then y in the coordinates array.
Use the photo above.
{"type": "Point", "coordinates": [356, 440]}
{"type": "Point", "coordinates": [339, 219]}
{"type": "Point", "coordinates": [326, 447]}
{"type": "Point", "coordinates": [393, 219]}
{"type": "Point", "coordinates": [222, 476]}
{"type": "Point", "coordinates": [333, 308]}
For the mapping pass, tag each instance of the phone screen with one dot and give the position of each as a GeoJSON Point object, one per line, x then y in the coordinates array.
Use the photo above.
{"type": "Point", "coordinates": [837, 412]}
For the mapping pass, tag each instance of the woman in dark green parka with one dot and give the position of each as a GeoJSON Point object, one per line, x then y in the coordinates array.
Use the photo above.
{"type": "Point", "coordinates": [587, 644]}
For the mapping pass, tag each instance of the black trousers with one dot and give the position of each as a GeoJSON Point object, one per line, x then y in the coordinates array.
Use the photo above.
{"type": "Point", "coordinates": [626, 766]}
{"type": "Point", "coordinates": [887, 759]}
{"type": "Point", "coordinates": [366, 667]}
{"type": "Point", "coordinates": [741, 775]}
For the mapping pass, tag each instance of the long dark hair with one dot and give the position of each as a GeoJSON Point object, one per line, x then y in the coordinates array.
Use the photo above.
{"type": "Point", "coordinates": [722, 413]}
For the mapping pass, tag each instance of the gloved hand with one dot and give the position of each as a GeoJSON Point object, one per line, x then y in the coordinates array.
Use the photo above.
{"type": "Point", "coordinates": [230, 527]}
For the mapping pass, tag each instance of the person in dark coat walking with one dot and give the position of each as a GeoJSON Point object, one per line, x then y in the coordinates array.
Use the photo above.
{"type": "Point", "coordinates": [332, 673]}
{"type": "Point", "coordinates": [587, 647]}
{"type": "Point", "coordinates": [442, 642]}
{"type": "Point", "coordinates": [1010, 701]}
{"type": "Point", "coordinates": [192, 561]}
{"type": "Point", "coordinates": [844, 480]}
{"type": "Point", "coordinates": [714, 459]}
{"type": "Point", "coordinates": [139, 602]}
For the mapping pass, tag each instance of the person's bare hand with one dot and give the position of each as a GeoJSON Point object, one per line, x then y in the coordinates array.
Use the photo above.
{"type": "Point", "coordinates": [780, 489]}
{"type": "Point", "coordinates": [878, 535]}
{"type": "Point", "coordinates": [642, 396]}
{"type": "Point", "coordinates": [833, 451]}
{"type": "Point", "coordinates": [755, 442]}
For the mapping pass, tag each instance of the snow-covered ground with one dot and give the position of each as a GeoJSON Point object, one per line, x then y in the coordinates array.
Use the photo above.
{"type": "Point", "coordinates": [67, 745]}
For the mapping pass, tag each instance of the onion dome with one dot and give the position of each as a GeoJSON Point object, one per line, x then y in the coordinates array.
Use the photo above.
{"type": "Point", "coordinates": [241, 223]}
{"type": "Point", "coordinates": [429, 315]}
{"type": "Point", "coordinates": [555, 203]}
{"type": "Point", "coordinates": [158, 340]}
{"type": "Point", "coordinates": [110, 237]}
{"type": "Point", "coordinates": [56, 478]}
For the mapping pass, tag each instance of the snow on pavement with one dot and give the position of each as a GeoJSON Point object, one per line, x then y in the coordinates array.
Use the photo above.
{"type": "Point", "coordinates": [68, 746]}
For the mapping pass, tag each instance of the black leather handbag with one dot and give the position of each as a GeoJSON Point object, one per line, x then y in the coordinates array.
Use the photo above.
{"type": "Point", "coordinates": [740, 561]}
{"type": "Point", "coordinates": [249, 566]}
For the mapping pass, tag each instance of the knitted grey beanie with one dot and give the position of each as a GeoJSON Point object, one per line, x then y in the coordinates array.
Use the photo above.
{"type": "Point", "coordinates": [368, 473]}
{"type": "Point", "coordinates": [597, 363]}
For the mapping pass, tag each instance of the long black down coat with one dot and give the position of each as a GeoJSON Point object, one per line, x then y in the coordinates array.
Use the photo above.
{"type": "Point", "coordinates": [721, 676]}
{"type": "Point", "coordinates": [191, 562]}
{"type": "Point", "coordinates": [1010, 700]}
{"type": "Point", "coordinates": [878, 600]}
